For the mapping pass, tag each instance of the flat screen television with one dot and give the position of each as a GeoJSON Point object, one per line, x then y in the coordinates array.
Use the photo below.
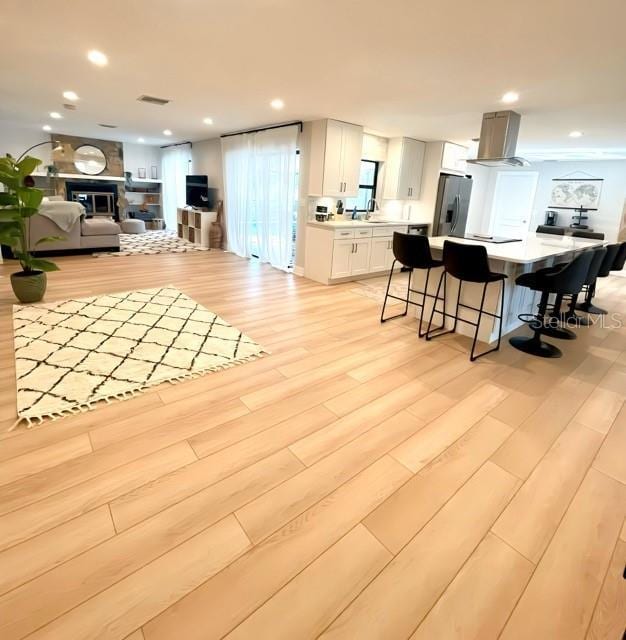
{"type": "Point", "coordinates": [199, 194]}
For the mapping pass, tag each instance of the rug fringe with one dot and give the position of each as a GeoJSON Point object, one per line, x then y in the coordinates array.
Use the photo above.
{"type": "Point", "coordinates": [130, 393]}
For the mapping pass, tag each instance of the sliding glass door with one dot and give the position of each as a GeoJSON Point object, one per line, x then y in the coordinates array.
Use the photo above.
{"type": "Point", "coordinates": [261, 187]}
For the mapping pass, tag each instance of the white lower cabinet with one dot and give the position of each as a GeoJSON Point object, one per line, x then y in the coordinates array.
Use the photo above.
{"type": "Point", "coordinates": [342, 258]}
{"type": "Point", "coordinates": [379, 254]}
{"type": "Point", "coordinates": [360, 263]}
{"type": "Point", "coordinates": [334, 254]}
{"type": "Point", "coordinates": [350, 258]}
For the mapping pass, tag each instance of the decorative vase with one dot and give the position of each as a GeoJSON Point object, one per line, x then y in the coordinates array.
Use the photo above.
{"type": "Point", "coordinates": [29, 287]}
{"type": "Point", "coordinates": [216, 231]}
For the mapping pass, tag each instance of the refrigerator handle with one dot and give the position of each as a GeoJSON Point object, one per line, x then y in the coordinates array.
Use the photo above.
{"type": "Point", "coordinates": [455, 215]}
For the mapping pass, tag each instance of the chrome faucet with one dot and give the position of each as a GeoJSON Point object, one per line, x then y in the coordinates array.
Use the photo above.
{"type": "Point", "coordinates": [372, 206]}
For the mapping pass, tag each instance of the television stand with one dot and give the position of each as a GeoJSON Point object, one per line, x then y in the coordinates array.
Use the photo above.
{"type": "Point", "coordinates": [194, 225]}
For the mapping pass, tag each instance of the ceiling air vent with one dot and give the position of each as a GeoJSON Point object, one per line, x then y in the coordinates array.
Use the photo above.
{"type": "Point", "coordinates": [153, 100]}
{"type": "Point", "coordinates": [70, 107]}
{"type": "Point", "coordinates": [108, 126]}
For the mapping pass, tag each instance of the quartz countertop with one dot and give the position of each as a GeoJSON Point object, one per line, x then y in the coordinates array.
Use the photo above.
{"type": "Point", "coordinates": [342, 224]}
{"type": "Point", "coordinates": [535, 247]}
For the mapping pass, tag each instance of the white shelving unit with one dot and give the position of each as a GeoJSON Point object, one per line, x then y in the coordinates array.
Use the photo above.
{"type": "Point", "coordinates": [194, 225]}
{"type": "Point", "coordinates": [146, 200]}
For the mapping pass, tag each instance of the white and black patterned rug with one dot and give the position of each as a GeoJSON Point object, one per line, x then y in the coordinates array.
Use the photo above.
{"type": "Point", "coordinates": [71, 354]}
{"type": "Point", "coordinates": [151, 242]}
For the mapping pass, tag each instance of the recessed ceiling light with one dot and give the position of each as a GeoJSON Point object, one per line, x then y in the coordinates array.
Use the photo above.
{"type": "Point", "coordinates": [510, 96]}
{"type": "Point", "coordinates": [575, 134]}
{"type": "Point", "coordinates": [97, 57]}
{"type": "Point", "coordinates": [70, 95]}
{"type": "Point", "coordinates": [277, 103]}
{"type": "Point", "coordinates": [47, 127]}
{"type": "Point", "coordinates": [208, 120]}
{"type": "Point", "coordinates": [56, 115]}
{"type": "Point", "coordinates": [167, 132]}
{"type": "Point", "coordinates": [140, 140]}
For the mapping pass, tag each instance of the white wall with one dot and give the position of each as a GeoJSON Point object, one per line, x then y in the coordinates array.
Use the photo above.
{"type": "Point", "coordinates": [206, 160]}
{"type": "Point", "coordinates": [142, 156]}
{"type": "Point", "coordinates": [612, 201]}
{"type": "Point", "coordinates": [16, 140]}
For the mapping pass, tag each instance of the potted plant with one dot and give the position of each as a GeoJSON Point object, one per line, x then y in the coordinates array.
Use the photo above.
{"type": "Point", "coordinates": [18, 203]}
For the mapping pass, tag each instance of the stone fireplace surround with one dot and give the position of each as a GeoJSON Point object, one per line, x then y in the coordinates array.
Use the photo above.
{"type": "Point", "coordinates": [88, 186]}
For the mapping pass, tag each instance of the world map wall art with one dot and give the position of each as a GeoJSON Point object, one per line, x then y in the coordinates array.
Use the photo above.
{"type": "Point", "coordinates": [576, 193]}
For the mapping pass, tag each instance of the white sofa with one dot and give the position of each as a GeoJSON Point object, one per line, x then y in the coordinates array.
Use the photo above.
{"type": "Point", "coordinates": [90, 233]}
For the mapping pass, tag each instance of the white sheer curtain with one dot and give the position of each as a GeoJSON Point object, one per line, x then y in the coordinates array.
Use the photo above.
{"type": "Point", "coordinates": [175, 165]}
{"type": "Point", "coordinates": [260, 184]}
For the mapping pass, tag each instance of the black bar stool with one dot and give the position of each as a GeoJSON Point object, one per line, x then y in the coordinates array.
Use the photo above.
{"type": "Point", "coordinates": [546, 228]}
{"type": "Point", "coordinates": [568, 279]}
{"type": "Point", "coordinates": [605, 269]}
{"type": "Point", "coordinates": [413, 252]}
{"type": "Point", "coordinates": [558, 316]}
{"type": "Point", "coordinates": [467, 263]}
{"type": "Point", "coordinates": [570, 315]}
{"type": "Point", "coordinates": [620, 258]}
{"type": "Point", "coordinates": [592, 235]}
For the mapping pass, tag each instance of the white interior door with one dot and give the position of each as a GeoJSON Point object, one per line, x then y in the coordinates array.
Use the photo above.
{"type": "Point", "coordinates": [513, 199]}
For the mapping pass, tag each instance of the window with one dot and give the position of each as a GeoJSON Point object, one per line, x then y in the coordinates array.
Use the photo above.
{"type": "Point", "coordinates": [367, 186]}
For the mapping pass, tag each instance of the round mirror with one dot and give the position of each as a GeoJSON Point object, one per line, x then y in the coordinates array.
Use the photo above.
{"type": "Point", "coordinates": [90, 160]}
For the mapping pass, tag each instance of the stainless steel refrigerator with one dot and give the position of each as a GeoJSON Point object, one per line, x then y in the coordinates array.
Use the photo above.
{"type": "Point", "coordinates": [453, 199]}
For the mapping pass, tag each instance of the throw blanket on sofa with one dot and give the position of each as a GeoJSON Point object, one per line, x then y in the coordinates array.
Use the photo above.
{"type": "Point", "coordinates": [63, 213]}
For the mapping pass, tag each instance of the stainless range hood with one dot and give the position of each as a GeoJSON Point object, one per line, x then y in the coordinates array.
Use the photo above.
{"type": "Point", "coordinates": [498, 140]}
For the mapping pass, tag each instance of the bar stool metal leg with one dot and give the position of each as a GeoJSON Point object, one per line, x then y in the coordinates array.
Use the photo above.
{"type": "Point", "coordinates": [442, 279]}
{"type": "Point", "coordinates": [408, 293]}
{"type": "Point", "coordinates": [421, 333]}
{"type": "Point", "coordinates": [480, 315]}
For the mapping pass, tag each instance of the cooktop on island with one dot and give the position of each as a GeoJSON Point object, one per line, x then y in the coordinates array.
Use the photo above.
{"type": "Point", "coordinates": [494, 239]}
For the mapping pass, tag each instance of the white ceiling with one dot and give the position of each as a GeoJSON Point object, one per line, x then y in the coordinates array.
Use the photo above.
{"type": "Point", "coordinates": [426, 69]}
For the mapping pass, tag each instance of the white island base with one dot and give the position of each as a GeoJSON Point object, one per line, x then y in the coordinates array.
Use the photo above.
{"type": "Point", "coordinates": [512, 259]}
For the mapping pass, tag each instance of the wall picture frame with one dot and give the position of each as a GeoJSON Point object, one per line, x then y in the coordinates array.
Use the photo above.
{"type": "Point", "coordinates": [154, 172]}
{"type": "Point", "coordinates": [576, 193]}
{"type": "Point", "coordinates": [141, 173]}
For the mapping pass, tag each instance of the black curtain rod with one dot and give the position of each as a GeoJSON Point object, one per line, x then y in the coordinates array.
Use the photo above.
{"type": "Point", "coordinates": [176, 144]}
{"type": "Point", "coordinates": [274, 126]}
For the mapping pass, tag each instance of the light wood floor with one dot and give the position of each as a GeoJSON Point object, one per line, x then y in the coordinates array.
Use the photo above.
{"type": "Point", "coordinates": [357, 483]}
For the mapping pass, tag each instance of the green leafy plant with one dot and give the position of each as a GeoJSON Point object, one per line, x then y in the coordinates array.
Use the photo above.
{"type": "Point", "coordinates": [18, 203]}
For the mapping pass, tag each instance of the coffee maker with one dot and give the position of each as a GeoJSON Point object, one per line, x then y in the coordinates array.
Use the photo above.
{"type": "Point", "coordinates": [551, 218]}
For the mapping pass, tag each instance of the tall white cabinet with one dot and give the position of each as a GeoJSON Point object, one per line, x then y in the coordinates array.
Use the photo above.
{"type": "Point", "coordinates": [335, 158]}
{"type": "Point", "coordinates": [403, 172]}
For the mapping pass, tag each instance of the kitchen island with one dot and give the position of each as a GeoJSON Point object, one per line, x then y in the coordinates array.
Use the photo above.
{"type": "Point", "coordinates": [535, 251]}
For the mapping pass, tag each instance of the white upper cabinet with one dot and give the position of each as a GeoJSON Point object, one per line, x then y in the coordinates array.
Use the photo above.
{"type": "Point", "coordinates": [335, 158]}
{"type": "Point", "coordinates": [403, 170]}
{"type": "Point", "coordinates": [454, 157]}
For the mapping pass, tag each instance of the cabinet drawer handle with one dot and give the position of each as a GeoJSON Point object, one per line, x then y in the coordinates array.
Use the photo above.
{"type": "Point", "coordinates": [345, 233]}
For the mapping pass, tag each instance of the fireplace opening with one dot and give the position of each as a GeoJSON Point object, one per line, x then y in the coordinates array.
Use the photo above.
{"type": "Point", "coordinates": [98, 198]}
